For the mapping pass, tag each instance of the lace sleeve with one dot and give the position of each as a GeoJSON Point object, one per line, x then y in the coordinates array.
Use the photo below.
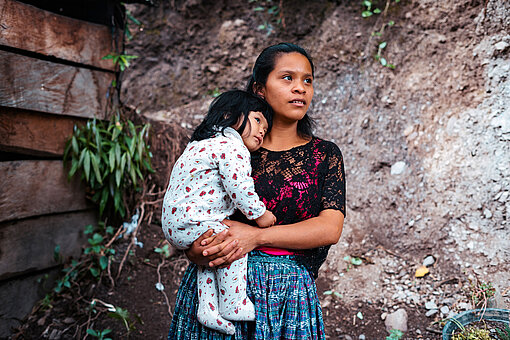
{"type": "Point", "coordinates": [333, 196]}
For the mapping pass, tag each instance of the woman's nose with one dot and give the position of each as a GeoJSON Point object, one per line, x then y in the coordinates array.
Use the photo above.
{"type": "Point", "coordinates": [299, 88]}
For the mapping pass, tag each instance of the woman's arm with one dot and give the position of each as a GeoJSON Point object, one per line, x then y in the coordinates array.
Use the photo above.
{"type": "Point", "coordinates": [322, 230]}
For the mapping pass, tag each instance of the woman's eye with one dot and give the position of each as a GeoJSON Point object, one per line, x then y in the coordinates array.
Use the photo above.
{"type": "Point", "coordinates": [308, 80]}
{"type": "Point", "coordinates": [257, 120]}
{"type": "Point", "coordinates": [287, 77]}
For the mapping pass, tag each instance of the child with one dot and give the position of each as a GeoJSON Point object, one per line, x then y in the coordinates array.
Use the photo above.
{"type": "Point", "coordinates": [208, 182]}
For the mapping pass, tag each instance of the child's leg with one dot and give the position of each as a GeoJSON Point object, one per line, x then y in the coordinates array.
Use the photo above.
{"type": "Point", "coordinates": [208, 312]}
{"type": "Point", "coordinates": [234, 303]}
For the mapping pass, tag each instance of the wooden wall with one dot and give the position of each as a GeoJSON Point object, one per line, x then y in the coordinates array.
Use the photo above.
{"type": "Point", "coordinates": [52, 77]}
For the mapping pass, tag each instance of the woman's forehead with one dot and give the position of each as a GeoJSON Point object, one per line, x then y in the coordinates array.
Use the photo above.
{"type": "Point", "coordinates": [292, 62]}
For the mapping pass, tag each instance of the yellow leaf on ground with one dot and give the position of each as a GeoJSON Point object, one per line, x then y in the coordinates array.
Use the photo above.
{"type": "Point", "coordinates": [422, 271]}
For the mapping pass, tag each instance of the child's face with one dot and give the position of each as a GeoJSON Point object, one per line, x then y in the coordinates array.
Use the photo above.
{"type": "Point", "coordinates": [254, 131]}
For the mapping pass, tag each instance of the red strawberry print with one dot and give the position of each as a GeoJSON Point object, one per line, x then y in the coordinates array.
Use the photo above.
{"type": "Point", "coordinates": [211, 306]}
{"type": "Point", "coordinates": [222, 291]}
{"type": "Point", "coordinates": [211, 191]}
{"type": "Point", "coordinates": [202, 193]}
{"type": "Point", "coordinates": [222, 156]}
{"type": "Point", "coordinates": [219, 322]}
{"type": "Point", "coordinates": [250, 194]}
{"type": "Point", "coordinates": [188, 208]}
{"type": "Point", "coordinates": [193, 170]}
{"type": "Point", "coordinates": [244, 302]}
{"type": "Point", "coordinates": [174, 210]}
{"type": "Point", "coordinates": [237, 290]}
{"type": "Point", "coordinates": [239, 156]}
{"type": "Point", "coordinates": [250, 213]}
{"type": "Point", "coordinates": [213, 156]}
{"type": "Point", "coordinates": [182, 165]}
{"type": "Point", "coordinates": [223, 142]}
{"type": "Point", "coordinates": [209, 281]}
{"type": "Point", "coordinates": [209, 211]}
{"type": "Point", "coordinates": [234, 177]}
{"type": "Point", "coordinates": [191, 148]}
{"type": "Point", "coordinates": [208, 171]}
{"type": "Point", "coordinates": [188, 189]}
{"type": "Point", "coordinates": [200, 292]}
{"type": "Point", "coordinates": [234, 195]}
{"type": "Point", "coordinates": [201, 150]}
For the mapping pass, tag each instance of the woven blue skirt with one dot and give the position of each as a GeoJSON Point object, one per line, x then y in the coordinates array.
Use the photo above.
{"type": "Point", "coordinates": [283, 292]}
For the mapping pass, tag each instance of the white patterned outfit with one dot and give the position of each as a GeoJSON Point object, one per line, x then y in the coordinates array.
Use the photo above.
{"type": "Point", "coordinates": [209, 181]}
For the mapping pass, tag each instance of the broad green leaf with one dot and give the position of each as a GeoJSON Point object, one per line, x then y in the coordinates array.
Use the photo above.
{"type": "Point", "coordinates": [86, 164]}
{"type": "Point", "coordinates": [118, 175]}
{"type": "Point", "coordinates": [117, 154]}
{"type": "Point", "coordinates": [366, 14]}
{"type": "Point", "coordinates": [123, 162]}
{"type": "Point", "coordinates": [132, 174]}
{"type": "Point", "coordinates": [82, 156]}
{"type": "Point", "coordinates": [111, 156]}
{"type": "Point", "coordinates": [383, 61]}
{"type": "Point", "coordinates": [377, 11]}
{"type": "Point", "coordinates": [92, 332]}
{"type": "Point", "coordinates": [258, 9]}
{"type": "Point", "coordinates": [103, 262]}
{"type": "Point", "coordinates": [74, 167]}
{"type": "Point", "coordinates": [95, 166]}
{"type": "Point", "coordinates": [103, 201]}
{"type": "Point", "coordinates": [94, 271]}
{"type": "Point", "coordinates": [74, 142]}
{"type": "Point", "coordinates": [382, 45]}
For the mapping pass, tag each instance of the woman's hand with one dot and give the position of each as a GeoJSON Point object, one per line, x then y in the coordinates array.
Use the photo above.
{"type": "Point", "coordinates": [247, 238]}
{"type": "Point", "coordinates": [213, 250]}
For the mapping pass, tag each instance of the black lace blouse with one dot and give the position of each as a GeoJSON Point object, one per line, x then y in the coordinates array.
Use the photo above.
{"type": "Point", "coordinates": [299, 183]}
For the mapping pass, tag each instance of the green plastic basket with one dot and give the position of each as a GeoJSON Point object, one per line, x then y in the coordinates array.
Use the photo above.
{"type": "Point", "coordinates": [473, 315]}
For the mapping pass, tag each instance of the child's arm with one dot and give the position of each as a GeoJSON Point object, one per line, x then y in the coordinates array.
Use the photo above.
{"type": "Point", "coordinates": [266, 220]}
{"type": "Point", "coordinates": [235, 169]}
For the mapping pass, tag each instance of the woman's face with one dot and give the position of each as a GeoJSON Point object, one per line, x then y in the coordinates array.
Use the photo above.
{"type": "Point", "coordinates": [289, 87]}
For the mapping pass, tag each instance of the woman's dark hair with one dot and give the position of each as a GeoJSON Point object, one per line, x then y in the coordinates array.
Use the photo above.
{"type": "Point", "coordinates": [228, 109]}
{"type": "Point", "coordinates": [265, 63]}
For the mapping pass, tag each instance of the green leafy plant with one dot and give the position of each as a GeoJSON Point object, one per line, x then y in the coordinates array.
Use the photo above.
{"type": "Point", "coordinates": [214, 93]}
{"type": "Point", "coordinates": [122, 60]}
{"type": "Point", "coordinates": [472, 333]}
{"type": "Point", "coordinates": [100, 254]}
{"type": "Point", "coordinates": [123, 315]}
{"type": "Point", "coordinates": [99, 334]}
{"type": "Point", "coordinates": [111, 156]}
{"type": "Point", "coordinates": [481, 292]}
{"type": "Point", "coordinates": [272, 15]}
{"type": "Point", "coordinates": [165, 251]}
{"type": "Point", "coordinates": [395, 334]}
{"type": "Point", "coordinates": [333, 293]}
{"type": "Point", "coordinates": [370, 9]}
{"type": "Point", "coordinates": [132, 19]}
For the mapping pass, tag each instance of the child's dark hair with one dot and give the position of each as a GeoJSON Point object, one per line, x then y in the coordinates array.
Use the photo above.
{"type": "Point", "coordinates": [228, 109]}
{"type": "Point", "coordinates": [265, 63]}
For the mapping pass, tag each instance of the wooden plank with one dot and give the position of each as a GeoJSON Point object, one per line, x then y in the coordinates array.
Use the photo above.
{"type": "Point", "coordinates": [38, 187]}
{"type": "Point", "coordinates": [33, 84]}
{"type": "Point", "coordinates": [28, 245]}
{"type": "Point", "coordinates": [33, 133]}
{"type": "Point", "coordinates": [29, 28]}
{"type": "Point", "coordinates": [19, 296]}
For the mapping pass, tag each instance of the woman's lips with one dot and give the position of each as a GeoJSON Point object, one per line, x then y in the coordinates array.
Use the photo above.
{"type": "Point", "coordinates": [298, 102]}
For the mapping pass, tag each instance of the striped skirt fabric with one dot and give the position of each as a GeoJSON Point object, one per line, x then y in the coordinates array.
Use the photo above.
{"type": "Point", "coordinates": [283, 292]}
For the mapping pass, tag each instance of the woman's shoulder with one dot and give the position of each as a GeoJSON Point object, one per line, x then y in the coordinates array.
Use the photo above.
{"type": "Point", "coordinates": [325, 145]}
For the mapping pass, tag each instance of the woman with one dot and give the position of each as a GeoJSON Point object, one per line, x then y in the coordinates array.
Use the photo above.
{"type": "Point", "coordinates": [300, 178]}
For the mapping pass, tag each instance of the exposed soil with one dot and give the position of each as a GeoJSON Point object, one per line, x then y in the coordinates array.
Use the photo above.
{"type": "Point", "coordinates": [426, 149]}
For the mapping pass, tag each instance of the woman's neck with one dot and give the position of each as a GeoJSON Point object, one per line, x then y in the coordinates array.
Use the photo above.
{"type": "Point", "coordinates": [283, 138]}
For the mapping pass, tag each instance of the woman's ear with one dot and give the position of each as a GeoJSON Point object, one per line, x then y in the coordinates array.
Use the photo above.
{"type": "Point", "coordinates": [259, 90]}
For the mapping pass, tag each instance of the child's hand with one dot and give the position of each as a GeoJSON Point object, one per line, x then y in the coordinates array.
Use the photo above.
{"type": "Point", "coordinates": [266, 220]}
